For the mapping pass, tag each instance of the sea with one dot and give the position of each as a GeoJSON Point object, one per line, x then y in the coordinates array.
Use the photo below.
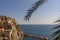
{"type": "Point", "coordinates": [38, 30]}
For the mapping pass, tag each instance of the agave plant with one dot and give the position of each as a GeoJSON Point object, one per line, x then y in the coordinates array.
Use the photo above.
{"type": "Point", "coordinates": [33, 8]}
{"type": "Point", "coordinates": [56, 34]}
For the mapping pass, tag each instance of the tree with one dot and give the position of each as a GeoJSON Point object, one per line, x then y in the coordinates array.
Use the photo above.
{"type": "Point", "coordinates": [33, 8]}
{"type": "Point", "coordinates": [56, 34]}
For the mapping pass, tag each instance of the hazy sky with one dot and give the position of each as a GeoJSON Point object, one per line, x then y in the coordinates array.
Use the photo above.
{"type": "Point", "coordinates": [45, 14]}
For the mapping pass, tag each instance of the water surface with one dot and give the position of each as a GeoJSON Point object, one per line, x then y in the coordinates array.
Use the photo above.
{"type": "Point", "coordinates": [39, 30]}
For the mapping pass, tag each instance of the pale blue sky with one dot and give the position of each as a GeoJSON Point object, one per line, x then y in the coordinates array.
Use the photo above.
{"type": "Point", "coordinates": [45, 14]}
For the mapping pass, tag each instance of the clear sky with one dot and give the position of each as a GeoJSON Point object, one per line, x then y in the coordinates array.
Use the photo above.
{"type": "Point", "coordinates": [45, 14]}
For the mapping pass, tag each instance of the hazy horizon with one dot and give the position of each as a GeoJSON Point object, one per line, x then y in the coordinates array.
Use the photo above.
{"type": "Point", "coordinates": [45, 14]}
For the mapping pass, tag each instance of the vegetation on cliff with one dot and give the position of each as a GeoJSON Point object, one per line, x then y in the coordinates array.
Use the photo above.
{"type": "Point", "coordinates": [10, 29]}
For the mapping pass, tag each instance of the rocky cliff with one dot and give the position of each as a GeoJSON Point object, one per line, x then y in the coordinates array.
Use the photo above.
{"type": "Point", "coordinates": [9, 29]}
{"type": "Point", "coordinates": [17, 33]}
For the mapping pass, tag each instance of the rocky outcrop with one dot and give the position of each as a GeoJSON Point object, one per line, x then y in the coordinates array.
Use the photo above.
{"type": "Point", "coordinates": [10, 30]}
{"type": "Point", "coordinates": [36, 37]}
{"type": "Point", "coordinates": [16, 35]}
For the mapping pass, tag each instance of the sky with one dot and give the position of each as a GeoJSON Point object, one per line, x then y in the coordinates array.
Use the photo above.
{"type": "Point", "coordinates": [45, 14]}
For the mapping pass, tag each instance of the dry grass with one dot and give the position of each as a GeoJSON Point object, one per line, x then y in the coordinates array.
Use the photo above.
{"type": "Point", "coordinates": [1, 38]}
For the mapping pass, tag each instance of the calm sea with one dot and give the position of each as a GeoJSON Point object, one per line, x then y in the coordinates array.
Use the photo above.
{"type": "Point", "coordinates": [38, 30]}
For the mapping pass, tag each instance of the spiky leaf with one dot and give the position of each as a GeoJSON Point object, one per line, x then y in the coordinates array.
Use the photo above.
{"type": "Point", "coordinates": [58, 26]}
{"type": "Point", "coordinates": [57, 21]}
{"type": "Point", "coordinates": [33, 8]}
{"type": "Point", "coordinates": [55, 33]}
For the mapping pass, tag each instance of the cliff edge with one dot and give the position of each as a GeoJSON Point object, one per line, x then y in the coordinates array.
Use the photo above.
{"type": "Point", "coordinates": [9, 29]}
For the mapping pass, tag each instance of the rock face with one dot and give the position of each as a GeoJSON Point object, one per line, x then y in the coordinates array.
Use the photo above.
{"type": "Point", "coordinates": [16, 35]}
{"type": "Point", "coordinates": [9, 29]}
